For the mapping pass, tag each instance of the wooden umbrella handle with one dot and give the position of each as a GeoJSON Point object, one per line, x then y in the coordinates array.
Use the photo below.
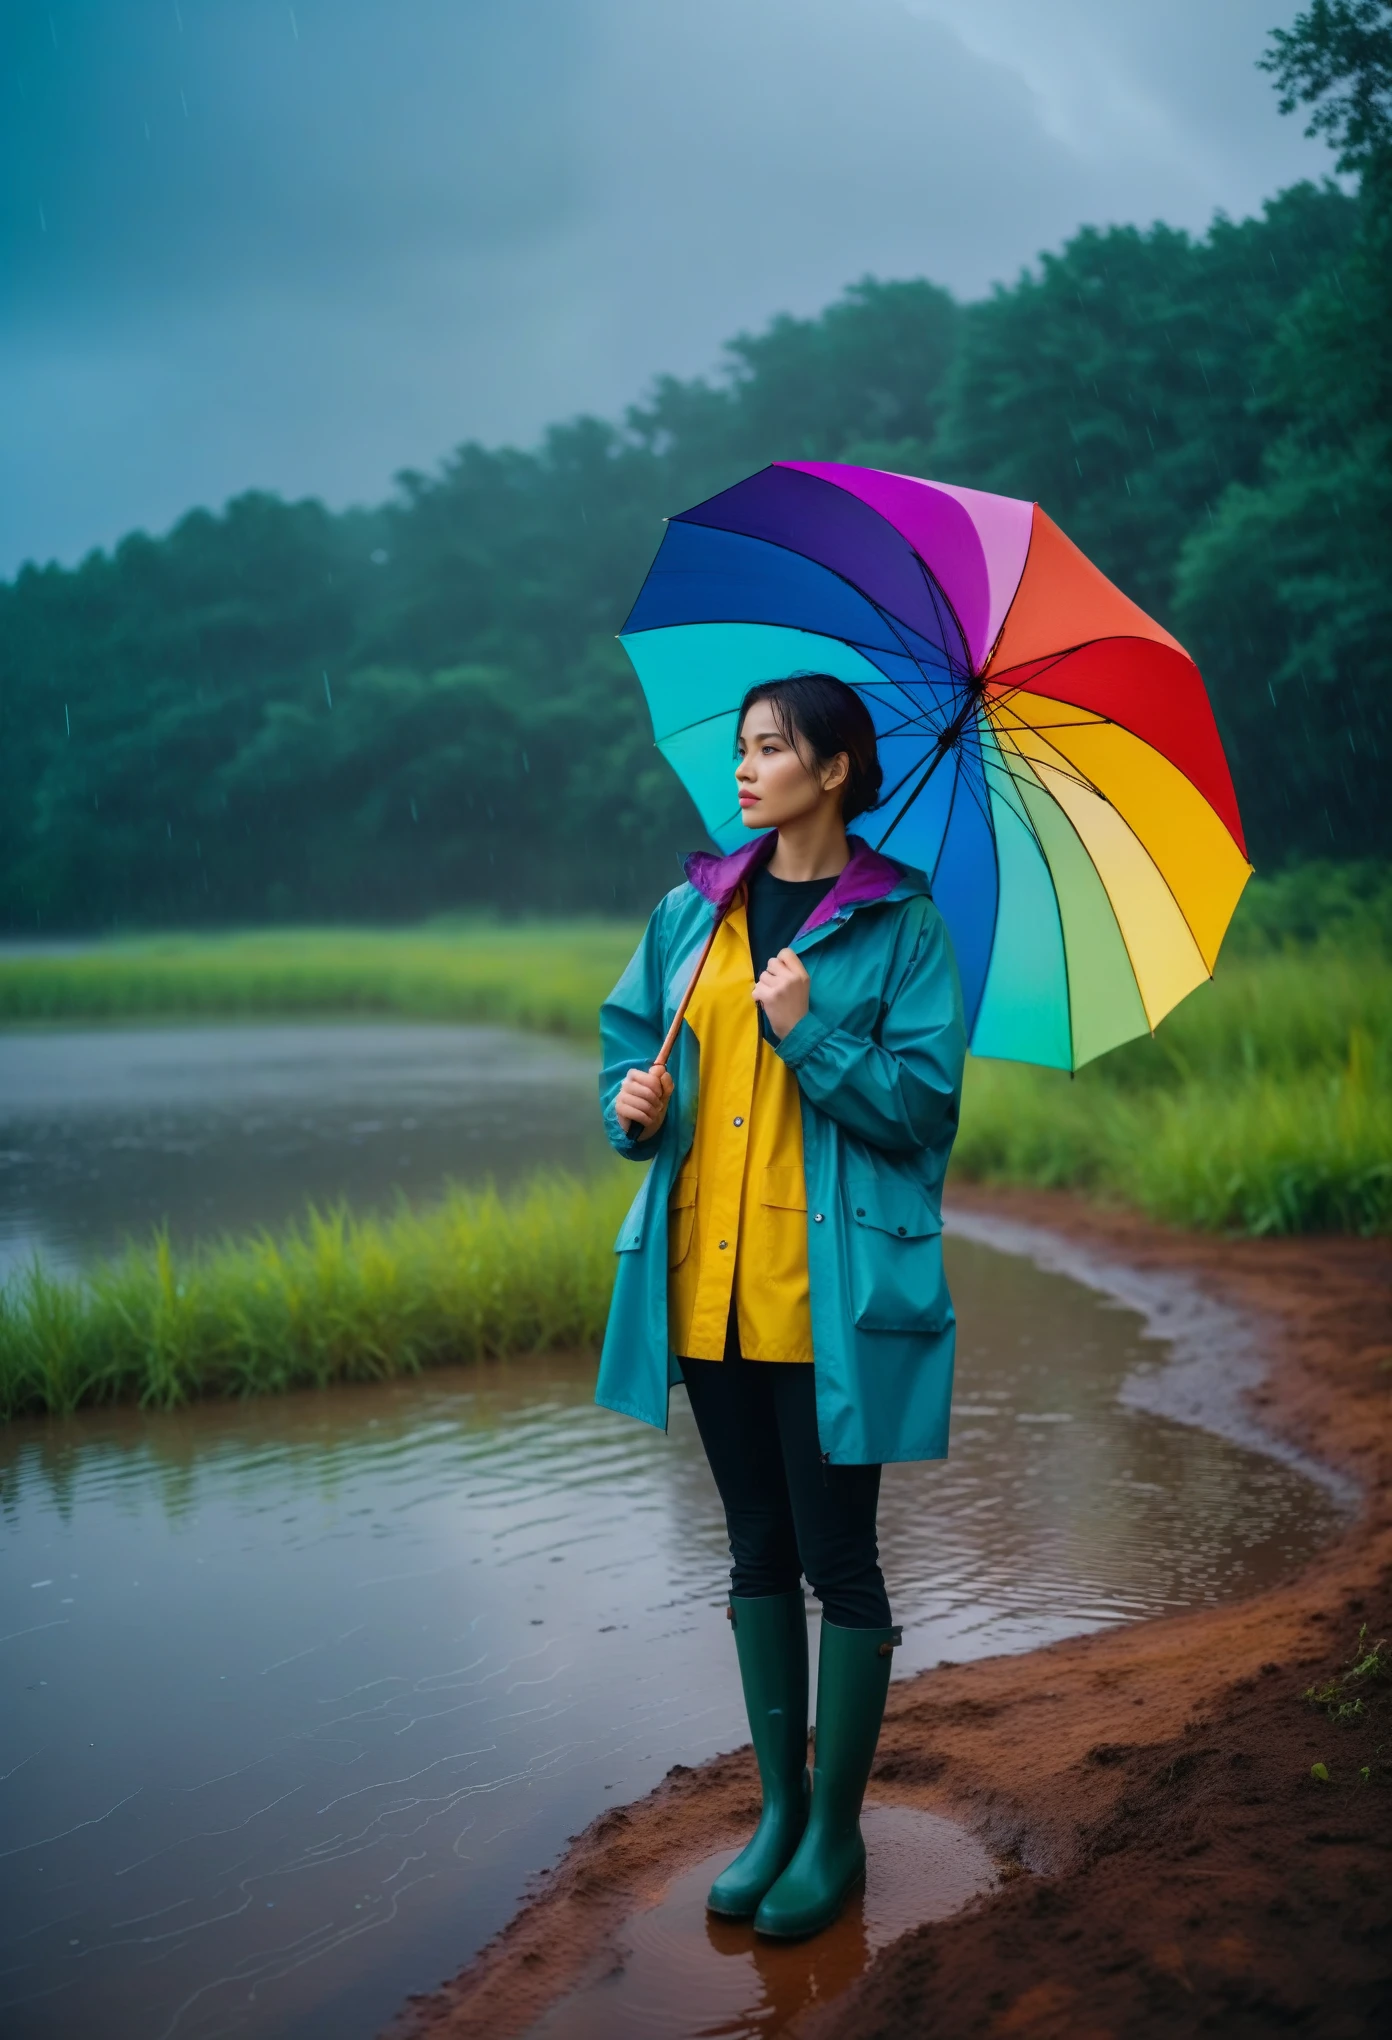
{"type": "Point", "coordinates": [635, 1126]}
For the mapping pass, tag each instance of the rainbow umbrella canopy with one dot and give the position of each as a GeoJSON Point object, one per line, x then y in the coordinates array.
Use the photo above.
{"type": "Point", "coordinates": [1050, 757]}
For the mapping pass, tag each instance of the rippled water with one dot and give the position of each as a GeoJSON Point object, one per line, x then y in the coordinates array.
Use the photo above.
{"type": "Point", "coordinates": [297, 1694]}
{"type": "Point", "coordinates": [108, 1132]}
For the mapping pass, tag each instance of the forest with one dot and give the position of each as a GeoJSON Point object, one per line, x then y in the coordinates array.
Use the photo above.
{"type": "Point", "coordinates": [278, 712]}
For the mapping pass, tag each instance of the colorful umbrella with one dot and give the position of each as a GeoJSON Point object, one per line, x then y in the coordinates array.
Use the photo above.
{"type": "Point", "coordinates": [1050, 756]}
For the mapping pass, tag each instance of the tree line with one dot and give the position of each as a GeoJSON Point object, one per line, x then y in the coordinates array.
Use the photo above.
{"type": "Point", "coordinates": [278, 711]}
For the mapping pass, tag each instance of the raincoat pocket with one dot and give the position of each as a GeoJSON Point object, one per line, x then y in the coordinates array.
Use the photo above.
{"type": "Point", "coordinates": [630, 1235]}
{"type": "Point", "coordinates": [776, 1239]}
{"type": "Point", "coordinates": [681, 1218]}
{"type": "Point", "coordinates": [785, 1188]}
{"type": "Point", "coordinates": [895, 1244]}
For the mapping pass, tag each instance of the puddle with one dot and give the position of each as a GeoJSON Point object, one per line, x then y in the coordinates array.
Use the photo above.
{"type": "Point", "coordinates": [688, 1976]}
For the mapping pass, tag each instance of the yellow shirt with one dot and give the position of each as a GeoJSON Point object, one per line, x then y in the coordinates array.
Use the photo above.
{"type": "Point", "coordinates": [737, 1216]}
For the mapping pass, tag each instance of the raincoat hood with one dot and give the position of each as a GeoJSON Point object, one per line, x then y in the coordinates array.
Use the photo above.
{"type": "Point", "coordinates": [867, 877]}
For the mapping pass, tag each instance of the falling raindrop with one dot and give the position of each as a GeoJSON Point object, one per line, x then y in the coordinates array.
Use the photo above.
{"type": "Point", "coordinates": [328, 692]}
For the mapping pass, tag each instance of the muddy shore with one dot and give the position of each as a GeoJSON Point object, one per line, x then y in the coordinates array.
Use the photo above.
{"type": "Point", "coordinates": [1169, 1864]}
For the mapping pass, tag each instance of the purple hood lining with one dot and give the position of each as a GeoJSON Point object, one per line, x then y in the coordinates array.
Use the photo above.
{"type": "Point", "coordinates": [868, 876]}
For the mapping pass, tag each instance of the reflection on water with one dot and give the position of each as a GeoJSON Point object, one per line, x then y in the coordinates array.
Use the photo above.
{"type": "Point", "coordinates": [687, 1975]}
{"type": "Point", "coordinates": [107, 1133]}
{"type": "Point", "coordinates": [298, 1693]}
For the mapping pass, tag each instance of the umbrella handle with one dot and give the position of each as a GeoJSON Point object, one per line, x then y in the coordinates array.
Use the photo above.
{"type": "Point", "coordinates": [635, 1126]}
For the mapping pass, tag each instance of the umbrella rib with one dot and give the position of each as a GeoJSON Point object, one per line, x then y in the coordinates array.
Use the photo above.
{"type": "Point", "coordinates": [684, 729]}
{"type": "Point", "coordinates": [947, 829]}
{"type": "Point", "coordinates": [1027, 776]}
{"type": "Point", "coordinates": [908, 722]}
{"type": "Point", "coordinates": [1084, 722]}
{"type": "Point", "coordinates": [983, 802]}
{"type": "Point", "coordinates": [934, 593]}
{"type": "Point", "coordinates": [1069, 772]}
{"type": "Point", "coordinates": [887, 680]}
{"type": "Point", "coordinates": [898, 785]}
{"type": "Point", "coordinates": [1062, 652]}
{"type": "Point", "coordinates": [947, 738]}
{"type": "Point", "coordinates": [996, 917]}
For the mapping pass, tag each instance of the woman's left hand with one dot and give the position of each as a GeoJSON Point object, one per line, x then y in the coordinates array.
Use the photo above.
{"type": "Point", "coordinates": [784, 991]}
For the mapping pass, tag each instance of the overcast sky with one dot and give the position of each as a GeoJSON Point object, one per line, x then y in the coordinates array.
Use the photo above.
{"type": "Point", "coordinates": [244, 243]}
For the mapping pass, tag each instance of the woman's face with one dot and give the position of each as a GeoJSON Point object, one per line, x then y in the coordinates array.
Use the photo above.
{"type": "Point", "coordinates": [776, 784]}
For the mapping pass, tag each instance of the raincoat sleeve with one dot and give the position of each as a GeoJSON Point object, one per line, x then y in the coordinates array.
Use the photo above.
{"type": "Point", "coordinates": [630, 1033]}
{"type": "Point", "coordinates": [902, 1090]}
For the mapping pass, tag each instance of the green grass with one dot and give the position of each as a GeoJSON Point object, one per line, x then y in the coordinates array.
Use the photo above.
{"type": "Point", "coordinates": [547, 975]}
{"type": "Point", "coordinates": [1264, 1105]}
{"type": "Point", "coordinates": [335, 1298]}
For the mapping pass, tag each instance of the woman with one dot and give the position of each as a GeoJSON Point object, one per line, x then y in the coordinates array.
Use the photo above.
{"type": "Point", "coordinates": [783, 1256]}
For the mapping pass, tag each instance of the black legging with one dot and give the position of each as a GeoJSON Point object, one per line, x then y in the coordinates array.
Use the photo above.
{"type": "Point", "coordinates": [788, 1511]}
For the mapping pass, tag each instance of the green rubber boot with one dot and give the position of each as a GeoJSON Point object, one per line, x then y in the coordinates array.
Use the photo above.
{"type": "Point", "coordinates": [771, 1639]}
{"type": "Point", "coordinates": [852, 1680]}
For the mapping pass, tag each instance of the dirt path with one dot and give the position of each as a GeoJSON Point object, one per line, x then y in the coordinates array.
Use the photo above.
{"type": "Point", "coordinates": [1170, 1865]}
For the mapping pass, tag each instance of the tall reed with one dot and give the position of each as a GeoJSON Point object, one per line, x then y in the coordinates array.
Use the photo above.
{"type": "Point", "coordinates": [335, 1298]}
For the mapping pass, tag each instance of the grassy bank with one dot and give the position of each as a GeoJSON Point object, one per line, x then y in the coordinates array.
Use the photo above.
{"type": "Point", "coordinates": [546, 975]}
{"type": "Point", "coordinates": [1263, 1105]}
{"type": "Point", "coordinates": [336, 1298]}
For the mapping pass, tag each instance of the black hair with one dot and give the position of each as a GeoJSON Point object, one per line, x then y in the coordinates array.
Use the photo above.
{"type": "Point", "coordinates": [829, 717]}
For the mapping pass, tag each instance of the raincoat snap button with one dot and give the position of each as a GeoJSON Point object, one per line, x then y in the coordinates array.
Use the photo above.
{"type": "Point", "coordinates": [738, 1121]}
{"type": "Point", "coordinates": [722, 1243]}
{"type": "Point", "coordinates": [816, 1218]}
{"type": "Point", "coordinates": [902, 1231]}
{"type": "Point", "coordinates": [860, 1211]}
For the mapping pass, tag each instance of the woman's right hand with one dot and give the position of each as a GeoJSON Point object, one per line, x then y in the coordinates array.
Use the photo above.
{"type": "Point", "coordinates": [642, 1099]}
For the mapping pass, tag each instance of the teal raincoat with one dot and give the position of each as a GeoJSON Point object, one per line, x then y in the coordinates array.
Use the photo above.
{"type": "Point", "coordinates": [878, 1060]}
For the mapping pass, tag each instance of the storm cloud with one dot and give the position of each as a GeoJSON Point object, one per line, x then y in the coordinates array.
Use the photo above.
{"type": "Point", "coordinates": [249, 244]}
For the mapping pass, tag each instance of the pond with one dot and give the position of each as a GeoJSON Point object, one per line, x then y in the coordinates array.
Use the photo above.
{"type": "Point", "coordinates": [298, 1693]}
{"type": "Point", "coordinates": [104, 1133]}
